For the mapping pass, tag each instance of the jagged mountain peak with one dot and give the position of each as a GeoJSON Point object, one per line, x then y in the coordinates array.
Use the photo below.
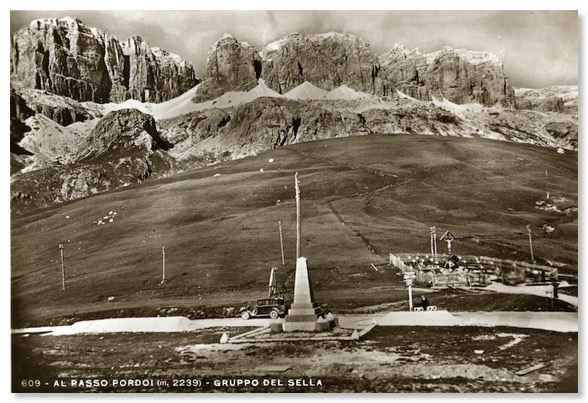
{"type": "Point", "coordinates": [228, 36]}
{"type": "Point", "coordinates": [66, 57]}
{"type": "Point", "coordinates": [66, 20]}
{"type": "Point", "coordinates": [329, 60]}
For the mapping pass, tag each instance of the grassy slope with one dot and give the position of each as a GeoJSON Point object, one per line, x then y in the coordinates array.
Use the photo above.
{"type": "Point", "coordinates": [362, 198]}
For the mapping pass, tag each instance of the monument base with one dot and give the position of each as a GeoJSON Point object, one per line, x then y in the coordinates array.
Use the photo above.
{"type": "Point", "coordinates": [319, 325]}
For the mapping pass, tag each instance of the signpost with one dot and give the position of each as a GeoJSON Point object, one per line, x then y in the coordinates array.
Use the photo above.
{"type": "Point", "coordinates": [409, 277]}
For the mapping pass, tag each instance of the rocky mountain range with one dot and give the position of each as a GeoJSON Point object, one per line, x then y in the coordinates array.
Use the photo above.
{"type": "Point", "coordinates": [66, 57]}
{"type": "Point", "coordinates": [91, 113]}
{"type": "Point", "coordinates": [334, 59]}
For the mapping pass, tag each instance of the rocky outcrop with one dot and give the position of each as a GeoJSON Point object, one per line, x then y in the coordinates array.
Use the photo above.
{"type": "Point", "coordinates": [565, 133]}
{"type": "Point", "coordinates": [256, 126]}
{"type": "Point", "coordinates": [559, 98]}
{"type": "Point", "coordinates": [230, 66]}
{"type": "Point", "coordinates": [460, 76]}
{"type": "Point", "coordinates": [549, 104]}
{"type": "Point", "coordinates": [123, 134]}
{"type": "Point", "coordinates": [325, 60]}
{"type": "Point", "coordinates": [19, 112]}
{"type": "Point", "coordinates": [401, 70]}
{"type": "Point", "coordinates": [62, 110]}
{"type": "Point", "coordinates": [66, 57]}
{"type": "Point", "coordinates": [124, 148]}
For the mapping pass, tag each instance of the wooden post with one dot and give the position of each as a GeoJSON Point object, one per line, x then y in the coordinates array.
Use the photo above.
{"type": "Point", "coordinates": [297, 217]}
{"type": "Point", "coordinates": [281, 242]}
{"type": "Point", "coordinates": [163, 256]}
{"type": "Point", "coordinates": [530, 242]}
{"type": "Point", "coordinates": [433, 242]}
{"type": "Point", "coordinates": [62, 268]}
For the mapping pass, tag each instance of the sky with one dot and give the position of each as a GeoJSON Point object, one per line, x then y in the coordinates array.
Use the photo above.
{"type": "Point", "coordinates": [537, 48]}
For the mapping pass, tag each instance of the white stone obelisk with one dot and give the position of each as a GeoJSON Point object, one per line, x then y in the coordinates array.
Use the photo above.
{"type": "Point", "coordinates": [303, 314]}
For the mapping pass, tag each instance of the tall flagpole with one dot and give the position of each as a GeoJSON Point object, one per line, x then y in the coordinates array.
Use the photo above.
{"type": "Point", "coordinates": [163, 264]}
{"type": "Point", "coordinates": [297, 217]}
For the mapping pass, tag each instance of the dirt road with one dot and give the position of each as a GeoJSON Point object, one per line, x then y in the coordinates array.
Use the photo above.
{"type": "Point", "coordinates": [556, 321]}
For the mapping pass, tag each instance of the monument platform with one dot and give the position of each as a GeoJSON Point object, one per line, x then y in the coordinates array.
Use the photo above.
{"type": "Point", "coordinates": [305, 314]}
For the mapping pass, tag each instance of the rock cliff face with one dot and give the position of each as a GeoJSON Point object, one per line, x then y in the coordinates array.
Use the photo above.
{"type": "Point", "coordinates": [325, 60]}
{"type": "Point", "coordinates": [62, 110]}
{"type": "Point", "coordinates": [19, 112]}
{"type": "Point", "coordinates": [230, 66]}
{"type": "Point", "coordinates": [66, 57]}
{"type": "Point", "coordinates": [559, 98]}
{"type": "Point", "coordinates": [458, 75]}
{"type": "Point", "coordinates": [334, 59]}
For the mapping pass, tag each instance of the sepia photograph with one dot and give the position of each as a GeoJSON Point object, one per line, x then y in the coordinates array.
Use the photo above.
{"type": "Point", "coordinates": [294, 201]}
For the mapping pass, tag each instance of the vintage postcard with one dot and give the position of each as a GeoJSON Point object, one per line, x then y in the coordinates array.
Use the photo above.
{"type": "Point", "coordinates": [300, 201]}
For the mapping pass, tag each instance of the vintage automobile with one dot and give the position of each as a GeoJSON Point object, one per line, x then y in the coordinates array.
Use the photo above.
{"type": "Point", "coordinates": [272, 307]}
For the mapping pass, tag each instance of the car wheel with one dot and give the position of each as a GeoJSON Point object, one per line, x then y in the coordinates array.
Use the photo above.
{"type": "Point", "coordinates": [274, 314]}
{"type": "Point", "coordinates": [245, 315]}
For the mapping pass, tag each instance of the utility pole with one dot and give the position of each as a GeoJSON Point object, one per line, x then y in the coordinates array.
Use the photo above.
{"type": "Point", "coordinates": [530, 242]}
{"type": "Point", "coordinates": [62, 268]}
{"type": "Point", "coordinates": [163, 260]}
{"type": "Point", "coordinates": [297, 217]}
{"type": "Point", "coordinates": [281, 242]}
{"type": "Point", "coordinates": [433, 242]}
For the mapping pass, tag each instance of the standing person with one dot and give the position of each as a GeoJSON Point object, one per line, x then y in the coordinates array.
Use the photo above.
{"type": "Point", "coordinates": [555, 285]}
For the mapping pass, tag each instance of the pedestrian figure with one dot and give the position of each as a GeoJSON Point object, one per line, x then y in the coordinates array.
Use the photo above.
{"type": "Point", "coordinates": [555, 285]}
{"type": "Point", "coordinates": [424, 303]}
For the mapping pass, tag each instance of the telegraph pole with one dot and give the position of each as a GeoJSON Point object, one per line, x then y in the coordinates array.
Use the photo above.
{"type": "Point", "coordinates": [297, 217]}
{"type": "Point", "coordinates": [530, 242]}
{"type": "Point", "coordinates": [62, 268]}
{"type": "Point", "coordinates": [163, 260]}
{"type": "Point", "coordinates": [433, 242]}
{"type": "Point", "coordinates": [281, 242]}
